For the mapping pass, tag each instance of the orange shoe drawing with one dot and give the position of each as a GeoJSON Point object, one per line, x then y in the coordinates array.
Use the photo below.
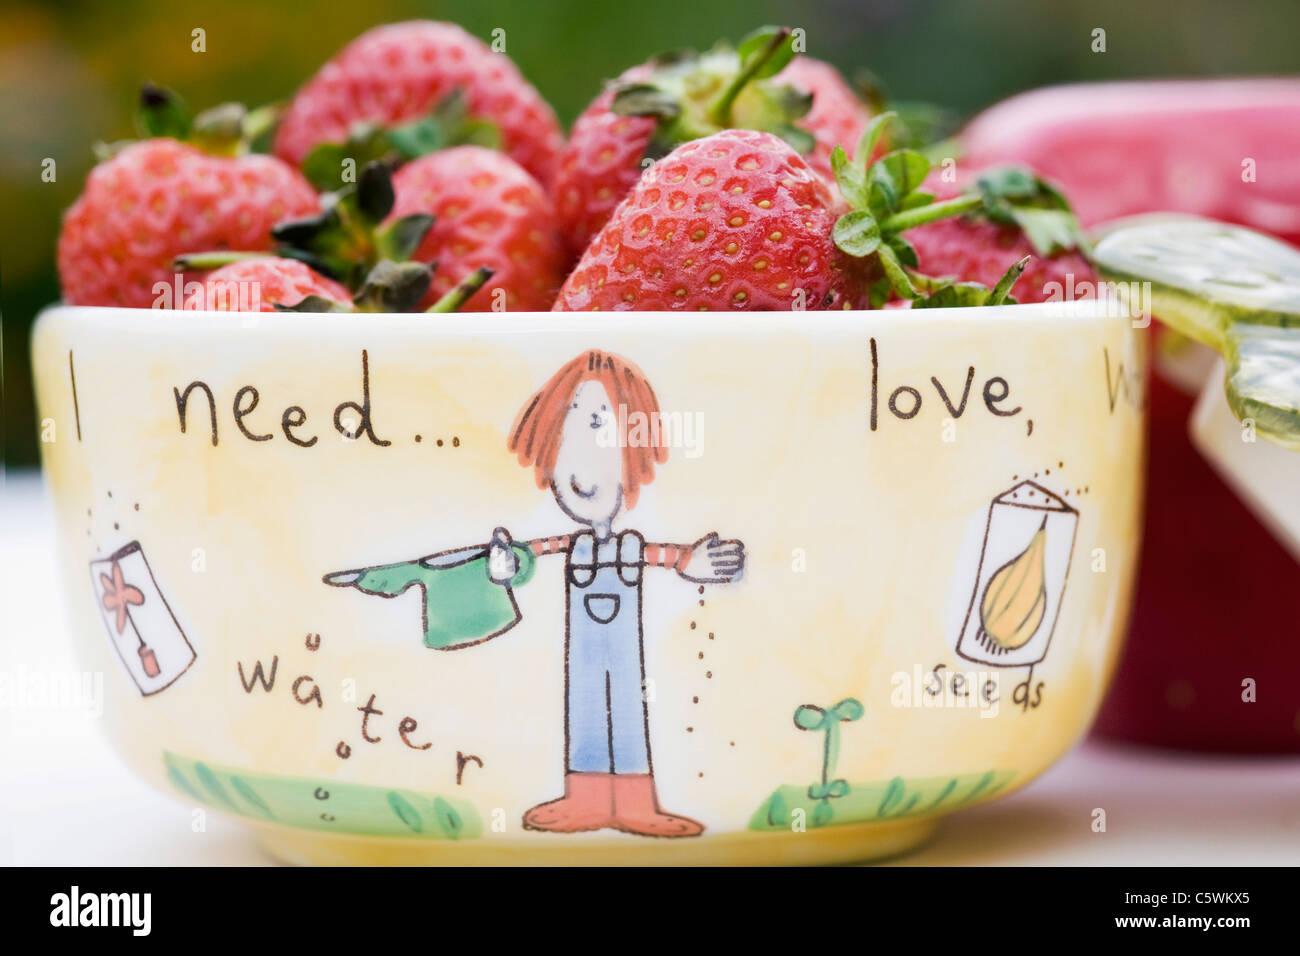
{"type": "Point", "coordinates": [587, 804]}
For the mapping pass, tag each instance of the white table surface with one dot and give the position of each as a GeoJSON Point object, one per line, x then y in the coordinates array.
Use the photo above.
{"type": "Point", "coordinates": [66, 800]}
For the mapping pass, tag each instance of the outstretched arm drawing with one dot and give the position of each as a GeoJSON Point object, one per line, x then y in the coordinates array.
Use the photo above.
{"type": "Point", "coordinates": [710, 560]}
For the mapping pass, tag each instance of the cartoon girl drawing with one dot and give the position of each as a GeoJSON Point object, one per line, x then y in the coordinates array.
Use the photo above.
{"type": "Point", "coordinates": [568, 434]}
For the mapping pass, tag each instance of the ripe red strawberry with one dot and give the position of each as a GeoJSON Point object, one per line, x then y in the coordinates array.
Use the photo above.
{"type": "Point", "coordinates": [402, 71]}
{"type": "Point", "coordinates": [655, 107]}
{"type": "Point", "coordinates": [277, 284]}
{"type": "Point", "coordinates": [488, 211]}
{"type": "Point", "coordinates": [159, 198]}
{"type": "Point", "coordinates": [261, 284]}
{"type": "Point", "coordinates": [736, 220]}
{"type": "Point", "coordinates": [979, 247]}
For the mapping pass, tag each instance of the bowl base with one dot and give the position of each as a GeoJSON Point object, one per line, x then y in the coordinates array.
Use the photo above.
{"type": "Point", "coordinates": [841, 844]}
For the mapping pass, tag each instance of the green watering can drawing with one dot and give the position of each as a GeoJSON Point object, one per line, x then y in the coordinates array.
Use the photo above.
{"type": "Point", "coordinates": [463, 606]}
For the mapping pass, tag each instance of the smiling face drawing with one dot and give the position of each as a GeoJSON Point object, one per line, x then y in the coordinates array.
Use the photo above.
{"type": "Point", "coordinates": [568, 432]}
{"type": "Point", "coordinates": [588, 473]}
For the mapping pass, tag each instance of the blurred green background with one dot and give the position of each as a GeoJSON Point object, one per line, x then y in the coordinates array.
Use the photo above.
{"type": "Point", "coordinates": [69, 72]}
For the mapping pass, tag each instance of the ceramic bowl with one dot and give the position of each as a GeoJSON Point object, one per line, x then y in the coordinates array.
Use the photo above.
{"type": "Point", "coordinates": [767, 588]}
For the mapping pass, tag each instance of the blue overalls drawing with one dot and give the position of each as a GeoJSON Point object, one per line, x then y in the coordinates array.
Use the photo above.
{"type": "Point", "coordinates": [605, 708]}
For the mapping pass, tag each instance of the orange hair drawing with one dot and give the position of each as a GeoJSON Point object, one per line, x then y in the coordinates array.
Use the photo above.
{"type": "Point", "coordinates": [535, 437]}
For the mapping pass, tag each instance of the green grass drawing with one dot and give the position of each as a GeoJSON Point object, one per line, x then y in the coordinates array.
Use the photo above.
{"type": "Point", "coordinates": [878, 800]}
{"type": "Point", "coordinates": [319, 804]}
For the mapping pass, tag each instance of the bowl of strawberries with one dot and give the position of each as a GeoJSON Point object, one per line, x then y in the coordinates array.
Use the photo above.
{"type": "Point", "coordinates": [782, 586]}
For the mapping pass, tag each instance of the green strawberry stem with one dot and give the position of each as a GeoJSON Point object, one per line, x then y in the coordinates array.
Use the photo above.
{"type": "Point", "coordinates": [1003, 288]}
{"type": "Point", "coordinates": [206, 261]}
{"type": "Point", "coordinates": [720, 111]}
{"type": "Point", "coordinates": [459, 294]}
{"type": "Point", "coordinates": [911, 218]}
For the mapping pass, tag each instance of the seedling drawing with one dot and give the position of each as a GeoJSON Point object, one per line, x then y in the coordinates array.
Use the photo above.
{"type": "Point", "coordinates": [828, 720]}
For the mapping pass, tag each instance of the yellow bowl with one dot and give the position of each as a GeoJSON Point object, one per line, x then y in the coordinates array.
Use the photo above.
{"type": "Point", "coordinates": [404, 588]}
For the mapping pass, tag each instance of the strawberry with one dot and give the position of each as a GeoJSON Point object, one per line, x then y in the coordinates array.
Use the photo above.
{"type": "Point", "coordinates": [263, 282]}
{"type": "Point", "coordinates": [158, 198]}
{"type": "Point", "coordinates": [276, 284]}
{"type": "Point", "coordinates": [1024, 217]}
{"type": "Point", "coordinates": [488, 211]}
{"type": "Point", "coordinates": [404, 71]}
{"type": "Point", "coordinates": [838, 114]}
{"type": "Point", "coordinates": [738, 220]}
{"type": "Point", "coordinates": [661, 104]}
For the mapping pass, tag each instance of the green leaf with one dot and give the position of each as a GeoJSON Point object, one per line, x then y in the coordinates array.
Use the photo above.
{"type": "Point", "coordinates": [857, 233]}
{"type": "Point", "coordinates": [956, 295]}
{"type": "Point", "coordinates": [1049, 230]}
{"type": "Point", "coordinates": [417, 139]}
{"type": "Point", "coordinates": [393, 287]}
{"type": "Point", "coordinates": [1014, 194]}
{"type": "Point", "coordinates": [1001, 291]}
{"type": "Point", "coordinates": [374, 195]}
{"type": "Point", "coordinates": [162, 113]}
{"type": "Point", "coordinates": [850, 708]}
{"type": "Point", "coordinates": [313, 303]}
{"type": "Point", "coordinates": [839, 787]}
{"type": "Point", "coordinates": [645, 99]}
{"type": "Point", "coordinates": [809, 717]}
{"type": "Point", "coordinates": [323, 165]}
{"type": "Point", "coordinates": [1009, 182]}
{"type": "Point", "coordinates": [903, 249]}
{"type": "Point", "coordinates": [907, 169]}
{"type": "Point", "coordinates": [402, 237]}
{"type": "Point", "coordinates": [851, 180]}
{"type": "Point", "coordinates": [767, 51]}
{"type": "Point", "coordinates": [896, 274]}
{"type": "Point", "coordinates": [220, 130]}
{"type": "Point", "coordinates": [883, 196]}
{"type": "Point", "coordinates": [870, 136]}
{"type": "Point", "coordinates": [916, 199]}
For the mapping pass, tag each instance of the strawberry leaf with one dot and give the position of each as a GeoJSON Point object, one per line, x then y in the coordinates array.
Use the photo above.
{"type": "Point", "coordinates": [1014, 195]}
{"type": "Point", "coordinates": [917, 199]}
{"type": "Point", "coordinates": [896, 274]}
{"type": "Point", "coordinates": [401, 238]}
{"type": "Point", "coordinates": [851, 180]}
{"type": "Point", "coordinates": [162, 113]}
{"type": "Point", "coordinates": [953, 295]}
{"type": "Point", "coordinates": [903, 249]}
{"type": "Point", "coordinates": [374, 194]}
{"type": "Point", "coordinates": [870, 136]}
{"type": "Point", "coordinates": [857, 233]}
{"type": "Point", "coordinates": [766, 52]}
{"type": "Point", "coordinates": [313, 303]}
{"type": "Point", "coordinates": [907, 168]}
{"type": "Point", "coordinates": [448, 124]}
{"type": "Point", "coordinates": [393, 287]}
{"type": "Point", "coordinates": [645, 99]}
